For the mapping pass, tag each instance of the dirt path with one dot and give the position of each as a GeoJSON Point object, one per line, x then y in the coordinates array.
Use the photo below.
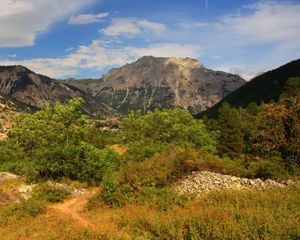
{"type": "Point", "coordinates": [74, 208]}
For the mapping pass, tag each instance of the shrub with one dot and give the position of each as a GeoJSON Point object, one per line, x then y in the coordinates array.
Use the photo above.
{"type": "Point", "coordinates": [267, 168]}
{"type": "Point", "coordinates": [54, 144]}
{"type": "Point", "coordinates": [167, 126]}
{"type": "Point", "coordinates": [145, 181]}
{"type": "Point", "coordinates": [49, 193]}
{"type": "Point", "coordinates": [30, 207]}
{"type": "Point", "coordinates": [143, 149]}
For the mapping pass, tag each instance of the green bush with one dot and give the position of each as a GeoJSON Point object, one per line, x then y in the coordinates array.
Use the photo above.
{"type": "Point", "coordinates": [162, 169]}
{"type": "Point", "coordinates": [49, 193]}
{"type": "Point", "coordinates": [144, 181]}
{"type": "Point", "coordinates": [168, 126]}
{"type": "Point", "coordinates": [30, 207]}
{"type": "Point", "coordinates": [54, 143]}
{"type": "Point", "coordinates": [143, 149]}
{"type": "Point", "coordinates": [267, 168]}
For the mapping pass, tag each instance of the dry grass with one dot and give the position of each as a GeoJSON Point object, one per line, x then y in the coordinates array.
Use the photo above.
{"type": "Point", "coordinates": [119, 149]}
{"type": "Point", "coordinates": [270, 214]}
{"type": "Point", "coordinates": [218, 215]}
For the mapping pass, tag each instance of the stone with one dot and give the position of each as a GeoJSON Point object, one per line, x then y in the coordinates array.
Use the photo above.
{"type": "Point", "coordinates": [204, 181]}
{"type": "Point", "coordinates": [26, 190]}
{"type": "Point", "coordinates": [5, 176]}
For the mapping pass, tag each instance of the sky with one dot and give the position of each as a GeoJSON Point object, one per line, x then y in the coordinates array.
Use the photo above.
{"type": "Point", "coordinates": [86, 38]}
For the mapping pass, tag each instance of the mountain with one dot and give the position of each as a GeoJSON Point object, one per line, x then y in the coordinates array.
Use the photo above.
{"type": "Point", "coordinates": [156, 82]}
{"type": "Point", "coordinates": [263, 88]}
{"type": "Point", "coordinates": [39, 91]}
{"type": "Point", "coordinates": [9, 110]}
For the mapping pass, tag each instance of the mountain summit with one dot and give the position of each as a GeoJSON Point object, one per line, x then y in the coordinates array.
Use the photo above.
{"type": "Point", "coordinates": [157, 82]}
{"type": "Point", "coordinates": [20, 83]}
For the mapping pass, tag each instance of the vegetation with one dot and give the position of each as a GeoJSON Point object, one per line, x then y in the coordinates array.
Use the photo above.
{"type": "Point", "coordinates": [231, 140]}
{"type": "Point", "coordinates": [266, 88]}
{"type": "Point", "coordinates": [136, 199]}
{"type": "Point", "coordinates": [53, 143]}
{"type": "Point", "coordinates": [218, 215]}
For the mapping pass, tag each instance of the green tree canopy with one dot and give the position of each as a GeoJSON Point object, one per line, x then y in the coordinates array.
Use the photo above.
{"type": "Point", "coordinates": [166, 126]}
{"type": "Point", "coordinates": [55, 144]}
{"type": "Point", "coordinates": [231, 141]}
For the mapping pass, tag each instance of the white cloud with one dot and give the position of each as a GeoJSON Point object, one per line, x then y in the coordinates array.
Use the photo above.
{"type": "Point", "coordinates": [169, 50]}
{"type": "Point", "coordinates": [132, 27]}
{"type": "Point", "coordinates": [96, 56]}
{"type": "Point", "coordinates": [12, 55]}
{"type": "Point", "coordinates": [87, 18]}
{"type": "Point", "coordinates": [22, 20]}
{"type": "Point", "coordinates": [259, 37]}
{"type": "Point", "coordinates": [268, 22]}
{"type": "Point", "coordinates": [70, 49]}
{"type": "Point", "coordinates": [245, 71]}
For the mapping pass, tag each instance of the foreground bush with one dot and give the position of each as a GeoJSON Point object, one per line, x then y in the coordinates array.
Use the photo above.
{"type": "Point", "coordinates": [49, 193]}
{"type": "Point", "coordinates": [54, 144]}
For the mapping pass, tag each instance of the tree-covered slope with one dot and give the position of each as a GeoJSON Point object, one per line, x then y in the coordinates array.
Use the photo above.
{"type": "Point", "coordinates": [265, 87]}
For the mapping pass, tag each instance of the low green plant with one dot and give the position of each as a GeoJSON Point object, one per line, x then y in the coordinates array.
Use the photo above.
{"type": "Point", "coordinates": [272, 167]}
{"type": "Point", "coordinates": [30, 207]}
{"type": "Point", "coordinates": [148, 180]}
{"type": "Point", "coordinates": [49, 193]}
{"type": "Point", "coordinates": [143, 149]}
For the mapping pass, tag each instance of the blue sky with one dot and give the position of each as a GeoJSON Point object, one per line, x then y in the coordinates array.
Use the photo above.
{"type": "Point", "coordinates": [85, 38]}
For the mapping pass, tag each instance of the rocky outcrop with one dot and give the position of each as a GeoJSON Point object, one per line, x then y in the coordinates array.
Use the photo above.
{"type": "Point", "coordinates": [156, 82]}
{"type": "Point", "coordinates": [6, 176]}
{"type": "Point", "coordinates": [39, 91]}
{"type": "Point", "coordinates": [204, 181]}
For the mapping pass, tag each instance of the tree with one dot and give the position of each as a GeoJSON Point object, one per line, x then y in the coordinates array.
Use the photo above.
{"type": "Point", "coordinates": [278, 130]}
{"type": "Point", "coordinates": [230, 142]}
{"type": "Point", "coordinates": [168, 126]}
{"type": "Point", "coordinates": [55, 143]}
{"type": "Point", "coordinates": [292, 88]}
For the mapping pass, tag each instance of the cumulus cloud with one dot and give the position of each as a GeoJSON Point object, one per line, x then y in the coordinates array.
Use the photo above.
{"type": "Point", "coordinates": [259, 37]}
{"type": "Point", "coordinates": [256, 38]}
{"type": "Point", "coordinates": [131, 27]}
{"type": "Point", "coordinates": [96, 56]}
{"type": "Point", "coordinates": [267, 22]}
{"type": "Point", "coordinates": [87, 18]}
{"type": "Point", "coordinates": [22, 20]}
{"type": "Point", "coordinates": [169, 50]}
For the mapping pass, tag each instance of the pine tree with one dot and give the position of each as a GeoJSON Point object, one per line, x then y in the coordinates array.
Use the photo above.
{"type": "Point", "coordinates": [231, 141]}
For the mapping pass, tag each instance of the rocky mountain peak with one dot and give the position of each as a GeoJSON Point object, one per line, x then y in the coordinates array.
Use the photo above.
{"type": "Point", "coordinates": [160, 82]}
{"type": "Point", "coordinates": [15, 68]}
{"type": "Point", "coordinates": [20, 83]}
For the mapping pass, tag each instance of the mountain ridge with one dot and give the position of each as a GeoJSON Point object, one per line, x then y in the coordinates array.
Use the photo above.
{"type": "Point", "coordinates": [263, 88]}
{"type": "Point", "coordinates": [39, 91]}
{"type": "Point", "coordinates": [157, 82]}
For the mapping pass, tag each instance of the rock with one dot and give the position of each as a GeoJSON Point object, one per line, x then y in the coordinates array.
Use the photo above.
{"type": "Point", "coordinates": [204, 181]}
{"type": "Point", "coordinates": [289, 182]}
{"type": "Point", "coordinates": [5, 176]}
{"type": "Point", "coordinates": [26, 190]}
{"type": "Point", "coordinates": [158, 82]}
{"type": "Point", "coordinates": [38, 91]}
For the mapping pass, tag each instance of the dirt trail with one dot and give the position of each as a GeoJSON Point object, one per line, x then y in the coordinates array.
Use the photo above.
{"type": "Point", "coordinates": [74, 208]}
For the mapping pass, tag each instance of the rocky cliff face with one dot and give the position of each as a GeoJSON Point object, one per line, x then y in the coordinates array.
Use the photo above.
{"type": "Point", "coordinates": [153, 82]}
{"type": "Point", "coordinates": [40, 91]}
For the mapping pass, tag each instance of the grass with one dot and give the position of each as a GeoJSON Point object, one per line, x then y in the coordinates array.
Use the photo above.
{"type": "Point", "coordinates": [218, 215]}
{"type": "Point", "coordinates": [270, 214]}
